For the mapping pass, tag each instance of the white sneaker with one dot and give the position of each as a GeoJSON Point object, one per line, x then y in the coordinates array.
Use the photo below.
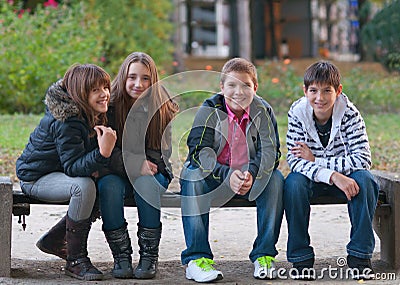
{"type": "Point", "coordinates": [264, 268]}
{"type": "Point", "coordinates": [201, 270]}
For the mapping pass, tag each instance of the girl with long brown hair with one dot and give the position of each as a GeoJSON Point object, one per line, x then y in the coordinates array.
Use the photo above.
{"type": "Point", "coordinates": [140, 111]}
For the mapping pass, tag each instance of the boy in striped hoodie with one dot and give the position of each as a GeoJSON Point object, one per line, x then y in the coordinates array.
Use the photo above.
{"type": "Point", "coordinates": [328, 154]}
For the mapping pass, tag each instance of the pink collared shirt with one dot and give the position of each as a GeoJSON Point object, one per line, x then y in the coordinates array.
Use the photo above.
{"type": "Point", "coordinates": [235, 152]}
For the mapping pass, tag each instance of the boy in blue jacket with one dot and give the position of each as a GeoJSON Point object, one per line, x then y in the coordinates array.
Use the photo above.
{"type": "Point", "coordinates": [233, 151]}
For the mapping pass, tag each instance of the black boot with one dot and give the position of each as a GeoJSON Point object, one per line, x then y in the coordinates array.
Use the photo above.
{"type": "Point", "coordinates": [54, 242]}
{"type": "Point", "coordinates": [120, 245]}
{"type": "Point", "coordinates": [78, 262]}
{"type": "Point", "coordinates": [148, 240]}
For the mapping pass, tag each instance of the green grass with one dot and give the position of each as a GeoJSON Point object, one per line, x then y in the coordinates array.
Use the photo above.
{"type": "Point", "coordinates": [14, 134]}
{"type": "Point", "coordinates": [384, 136]}
{"type": "Point", "coordinates": [383, 131]}
{"type": "Point", "coordinates": [15, 130]}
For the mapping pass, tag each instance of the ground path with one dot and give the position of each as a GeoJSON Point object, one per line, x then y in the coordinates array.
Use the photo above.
{"type": "Point", "coordinates": [232, 231]}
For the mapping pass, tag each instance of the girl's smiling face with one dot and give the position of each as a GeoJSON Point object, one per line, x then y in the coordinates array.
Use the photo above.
{"type": "Point", "coordinates": [98, 98]}
{"type": "Point", "coordinates": [138, 79]}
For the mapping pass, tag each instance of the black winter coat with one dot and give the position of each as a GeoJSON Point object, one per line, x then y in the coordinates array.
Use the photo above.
{"type": "Point", "coordinates": [61, 142]}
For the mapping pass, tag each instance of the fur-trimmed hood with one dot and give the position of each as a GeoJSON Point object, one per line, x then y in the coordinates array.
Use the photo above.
{"type": "Point", "coordinates": [59, 102]}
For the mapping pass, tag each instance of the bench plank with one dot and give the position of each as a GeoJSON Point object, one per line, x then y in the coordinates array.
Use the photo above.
{"type": "Point", "coordinates": [173, 200]}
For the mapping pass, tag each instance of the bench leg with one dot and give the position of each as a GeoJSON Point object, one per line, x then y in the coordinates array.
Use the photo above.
{"type": "Point", "coordinates": [387, 220]}
{"type": "Point", "coordinates": [6, 199]}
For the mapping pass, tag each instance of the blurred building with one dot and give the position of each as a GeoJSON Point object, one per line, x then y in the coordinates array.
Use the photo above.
{"type": "Point", "coordinates": [275, 29]}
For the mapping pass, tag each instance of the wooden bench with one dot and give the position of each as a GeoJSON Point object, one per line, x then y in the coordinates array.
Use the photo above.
{"type": "Point", "coordinates": [386, 221]}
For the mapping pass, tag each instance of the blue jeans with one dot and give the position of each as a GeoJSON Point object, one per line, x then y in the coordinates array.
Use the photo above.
{"type": "Point", "coordinates": [58, 187]}
{"type": "Point", "coordinates": [148, 192]}
{"type": "Point", "coordinates": [113, 190]}
{"type": "Point", "coordinates": [298, 192]}
{"type": "Point", "coordinates": [196, 222]}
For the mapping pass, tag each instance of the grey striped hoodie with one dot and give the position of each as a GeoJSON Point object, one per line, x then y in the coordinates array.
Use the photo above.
{"type": "Point", "coordinates": [348, 148]}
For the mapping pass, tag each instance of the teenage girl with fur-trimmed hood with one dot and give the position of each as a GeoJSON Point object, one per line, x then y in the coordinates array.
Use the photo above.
{"type": "Point", "coordinates": [64, 152]}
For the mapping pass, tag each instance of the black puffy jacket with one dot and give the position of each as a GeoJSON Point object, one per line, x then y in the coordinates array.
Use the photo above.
{"type": "Point", "coordinates": [61, 142]}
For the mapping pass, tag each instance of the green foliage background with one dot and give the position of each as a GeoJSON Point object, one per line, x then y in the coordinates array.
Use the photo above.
{"type": "Point", "coordinates": [381, 37]}
{"type": "Point", "coordinates": [37, 47]}
{"type": "Point", "coordinates": [134, 25]}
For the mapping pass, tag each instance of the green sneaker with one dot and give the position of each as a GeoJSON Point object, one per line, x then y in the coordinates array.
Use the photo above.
{"type": "Point", "coordinates": [202, 270]}
{"type": "Point", "coordinates": [264, 268]}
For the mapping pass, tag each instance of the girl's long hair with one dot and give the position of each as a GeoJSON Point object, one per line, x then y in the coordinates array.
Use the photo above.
{"type": "Point", "coordinates": [159, 101]}
{"type": "Point", "coordinates": [79, 80]}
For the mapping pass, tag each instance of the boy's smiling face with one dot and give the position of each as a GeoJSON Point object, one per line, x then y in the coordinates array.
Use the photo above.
{"type": "Point", "coordinates": [238, 89]}
{"type": "Point", "coordinates": [322, 98]}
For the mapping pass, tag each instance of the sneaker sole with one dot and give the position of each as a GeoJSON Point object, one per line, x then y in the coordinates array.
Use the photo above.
{"type": "Point", "coordinates": [219, 277]}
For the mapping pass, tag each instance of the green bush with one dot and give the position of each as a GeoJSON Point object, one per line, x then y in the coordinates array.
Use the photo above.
{"type": "Point", "coordinates": [37, 48]}
{"type": "Point", "coordinates": [392, 61]}
{"type": "Point", "coordinates": [381, 38]}
{"type": "Point", "coordinates": [135, 25]}
{"type": "Point", "coordinates": [279, 85]}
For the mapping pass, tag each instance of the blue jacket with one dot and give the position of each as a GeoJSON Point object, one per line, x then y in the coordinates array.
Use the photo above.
{"type": "Point", "coordinates": [61, 142]}
{"type": "Point", "coordinates": [207, 139]}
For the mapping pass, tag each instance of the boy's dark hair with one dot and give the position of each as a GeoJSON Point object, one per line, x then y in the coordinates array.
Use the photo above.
{"type": "Point", "coordinates": [239, 65]}
{"type": "Point", "coordinates": [322, 72]}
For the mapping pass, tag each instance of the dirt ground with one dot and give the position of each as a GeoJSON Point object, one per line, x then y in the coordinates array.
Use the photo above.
{"type": "Point", "coordinates": [232, 232]}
